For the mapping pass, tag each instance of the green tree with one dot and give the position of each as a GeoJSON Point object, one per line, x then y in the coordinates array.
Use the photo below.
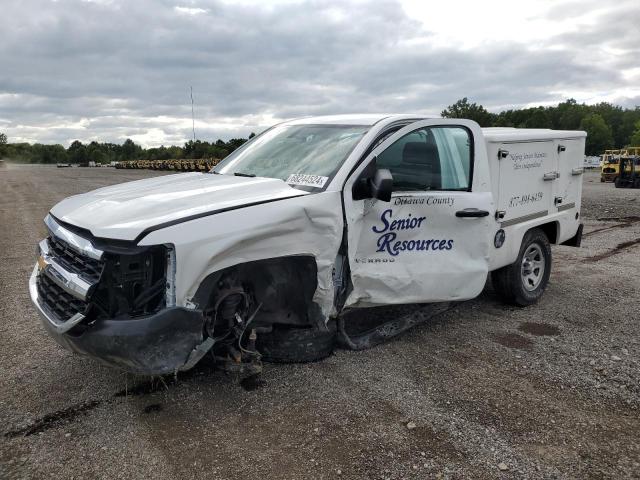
{"type": "Point", "coordinates": [175, 152]}
{"type": "Point", "coordinates": [569, 115]}
{"type": "Point", "coordinates": [630, 118]}
{"type": "Point", "coordinates": [634, 140]}
{"type": "Point", "coordinates": [538, 118]}
{"type": "Point", "coordinates": [77, 152]}
{"type": "Point", "coordinates": [54, 154]}
{"type": "Point", "coordinates": [472, 111]}
{"type": "Point", "coordinates": [96, 152]}
{"type": "Point", "coordinates": [47, 154]}
{"type": "Point", "coordinates": [613, 115]}
{"type": "Point", "coordinates": [3, 144]}
{"type": "Point", "coordinates": [599, 136]}
{"type": "Point", "coordinates": [235, 143]}
{"type": "Point", "coordinates": [20, 152]}
{"type": "Point", "coordinates": [130, 150]}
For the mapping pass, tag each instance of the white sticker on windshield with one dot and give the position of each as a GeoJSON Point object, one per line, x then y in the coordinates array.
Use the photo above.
{"type": "Point", "coordinates": [317, 181]}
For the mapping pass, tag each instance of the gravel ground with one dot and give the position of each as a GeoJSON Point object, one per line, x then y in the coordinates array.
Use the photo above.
{"type": "Point", "coordinates": [482, 391]}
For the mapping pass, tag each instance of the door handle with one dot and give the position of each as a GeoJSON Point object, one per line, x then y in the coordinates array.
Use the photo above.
{"type": "Point", "coordinates": [550, 176]}
{"type": "Point", "coordinates": [471, 213]}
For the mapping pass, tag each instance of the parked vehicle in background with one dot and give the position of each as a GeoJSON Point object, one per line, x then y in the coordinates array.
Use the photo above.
{"type": "Point", "coordinates": [629, 176]}
{"type": "Point", "coordinates": [63, 165]}
{"type": "Point", "coordinates": [87, 164]}
{"type": "Point", "coordinates": [312, 218]}
{"type": "Point", "coordinates": [610, 164]}
{"type": "Point", "coordinates": [592, 162]}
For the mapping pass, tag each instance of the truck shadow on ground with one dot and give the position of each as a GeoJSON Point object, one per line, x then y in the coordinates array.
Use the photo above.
{"type": "Point", "coordinates": [206, 372]}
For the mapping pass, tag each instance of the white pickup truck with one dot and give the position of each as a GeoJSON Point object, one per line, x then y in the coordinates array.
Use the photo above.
{"type": "Point", "coordinates": [308, 220]}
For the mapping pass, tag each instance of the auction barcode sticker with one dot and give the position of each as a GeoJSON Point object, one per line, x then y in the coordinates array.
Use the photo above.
{"type": "Point", "coordinates": [317, 181]}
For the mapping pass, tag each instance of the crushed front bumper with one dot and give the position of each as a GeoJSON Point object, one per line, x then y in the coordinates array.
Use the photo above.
{"type": "Point", "coordinates": [151, 345]}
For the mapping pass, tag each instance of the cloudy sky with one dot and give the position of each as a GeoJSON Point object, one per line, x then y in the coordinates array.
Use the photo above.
{"type": "Point", "coordinates": [107, 69]}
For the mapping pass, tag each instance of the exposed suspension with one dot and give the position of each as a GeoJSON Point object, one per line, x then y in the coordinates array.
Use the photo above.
{"type": "Point", "coordinates": [227, 323]}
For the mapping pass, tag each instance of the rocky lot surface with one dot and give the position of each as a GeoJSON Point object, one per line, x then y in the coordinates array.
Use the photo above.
{"type": "Point", "coordinates": [482, 391]}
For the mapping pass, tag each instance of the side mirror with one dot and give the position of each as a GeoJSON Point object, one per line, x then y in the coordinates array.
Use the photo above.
{"type": "Point", "coordinates": [373, 183]}
{"type": "Point", "coordinates": [381, 185]}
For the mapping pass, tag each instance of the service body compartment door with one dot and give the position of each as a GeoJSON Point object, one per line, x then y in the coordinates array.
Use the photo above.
{"type": "Point", "coordinates": [569, 185]}
{"type": "Point", "coordinates": [431, 241]}
{"type": "Point", "coordinates": [528, 171]}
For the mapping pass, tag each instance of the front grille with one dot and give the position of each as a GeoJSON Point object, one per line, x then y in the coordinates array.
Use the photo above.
{"type": "Point", "coordinates": [59, 302]}
{"type": "Point", "coordinates": [72, 261]}
{"type": "Point", "coordinates": [122, 284]}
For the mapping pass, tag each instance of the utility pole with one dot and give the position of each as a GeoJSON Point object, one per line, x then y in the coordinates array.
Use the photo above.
{"type": "Point", "coordinates": [193, 121]}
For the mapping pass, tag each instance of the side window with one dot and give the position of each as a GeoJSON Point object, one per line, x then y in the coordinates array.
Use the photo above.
{"type": "Point", "coordinates": [433, 158]}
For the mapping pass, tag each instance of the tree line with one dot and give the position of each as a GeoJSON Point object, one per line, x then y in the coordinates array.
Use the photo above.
{"type": "Point", "coordinates": [607, 125]}
{"type": "Point", "coordinates": [103, 152]}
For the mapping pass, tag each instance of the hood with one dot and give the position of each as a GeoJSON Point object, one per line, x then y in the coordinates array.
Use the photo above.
{"type": "Point", "coordinates": [124, 211]}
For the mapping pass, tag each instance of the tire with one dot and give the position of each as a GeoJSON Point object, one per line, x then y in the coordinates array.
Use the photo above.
{"type": "Point", "coordinates": [518, 283]}
{"type": "Point", "coordinates": [617, 182]}
{"type": "Point", "coordinates": [286, 344]}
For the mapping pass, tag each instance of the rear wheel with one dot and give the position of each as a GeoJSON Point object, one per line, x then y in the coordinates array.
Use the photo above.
{"type": "Point", "coordinates": [523, 282]}
{"type": "Point", "coordinates": [617, 182]}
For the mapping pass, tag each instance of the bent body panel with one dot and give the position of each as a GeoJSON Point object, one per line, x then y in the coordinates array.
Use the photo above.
{"type": "Point", "coordinates": [309, 225]}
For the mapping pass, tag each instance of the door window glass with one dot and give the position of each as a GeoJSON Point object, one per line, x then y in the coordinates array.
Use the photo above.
{"type": "Point", "coordinates": [431, 158]}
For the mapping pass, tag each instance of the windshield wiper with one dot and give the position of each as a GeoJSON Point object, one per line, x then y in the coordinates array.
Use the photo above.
{"type": "Point", "coordinates": [240, 174]}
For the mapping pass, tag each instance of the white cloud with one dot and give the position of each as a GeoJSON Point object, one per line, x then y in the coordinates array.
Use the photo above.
{"type": "Point", "coordinates": [190, 10]}
{"type": "Point", "coordinates": [110, 69]}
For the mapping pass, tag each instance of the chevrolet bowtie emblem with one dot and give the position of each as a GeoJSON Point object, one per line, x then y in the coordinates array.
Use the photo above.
{"type": "Point", "coordinates": [42, 263]}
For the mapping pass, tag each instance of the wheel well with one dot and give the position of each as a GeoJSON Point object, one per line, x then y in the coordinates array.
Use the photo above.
{"type": "Point", "coordinates": [550, 230]}
{"type": "Point", "coordinates": [283, 287]}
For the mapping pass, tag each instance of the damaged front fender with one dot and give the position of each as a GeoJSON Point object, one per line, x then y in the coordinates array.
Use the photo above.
{"type": "Point", "coordinates": [306, 226]}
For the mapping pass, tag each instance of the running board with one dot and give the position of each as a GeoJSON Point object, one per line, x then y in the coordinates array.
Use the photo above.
{"type": "Point", "coordinates": [390, 329]}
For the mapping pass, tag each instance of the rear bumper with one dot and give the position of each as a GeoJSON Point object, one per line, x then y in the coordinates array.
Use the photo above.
{"type": "Point", "coordinates": [152, 345]}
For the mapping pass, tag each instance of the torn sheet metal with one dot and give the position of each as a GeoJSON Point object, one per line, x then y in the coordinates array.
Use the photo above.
{"type": "Point", "coordinates": [306, 225]}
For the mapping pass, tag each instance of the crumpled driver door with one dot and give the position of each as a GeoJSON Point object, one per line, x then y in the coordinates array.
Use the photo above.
{"type": "Point", "coordinates": [422, 246]}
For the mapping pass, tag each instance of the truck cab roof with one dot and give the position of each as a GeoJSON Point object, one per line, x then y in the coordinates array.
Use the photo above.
{"type": "Point", "coordinates": [491, 134]}
{"type": "Point", "coordinates": [367, 119]}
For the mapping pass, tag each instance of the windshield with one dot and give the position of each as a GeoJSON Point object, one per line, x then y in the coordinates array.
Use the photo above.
{"type": "Point", "coordinates": [301, 155]}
